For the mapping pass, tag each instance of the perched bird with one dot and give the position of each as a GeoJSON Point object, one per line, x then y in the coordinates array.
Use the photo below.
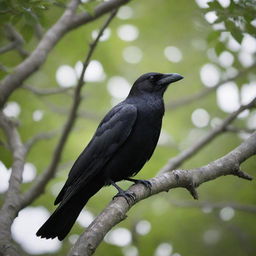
{"type": "Point", "coordinates": [123, 142]}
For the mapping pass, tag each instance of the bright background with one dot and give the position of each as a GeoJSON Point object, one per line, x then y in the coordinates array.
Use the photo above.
{"type": "Point", "coordinates": [186, 37]}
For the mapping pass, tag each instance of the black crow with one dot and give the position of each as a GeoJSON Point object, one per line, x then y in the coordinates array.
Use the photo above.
{"type": "Point", "coordinates": [124, 141]}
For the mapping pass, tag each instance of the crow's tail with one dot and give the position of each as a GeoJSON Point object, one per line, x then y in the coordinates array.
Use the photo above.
{"type": "Point", "coordinates": [61, 221]}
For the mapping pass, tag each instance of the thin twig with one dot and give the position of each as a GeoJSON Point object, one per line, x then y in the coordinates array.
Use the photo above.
{"type": "Point", "coordinates": [7, 48]}
{"type": "Point", "coordinates": [4, 144]}
{"type": "Point", "coordinates": [16, 39]}
{"type": "Point", "coordinates": [81, 114]}
{"type": "Point", "coordinates": [38, 137]}
{"type": "Point", "coordinates": [42, 180]}
{"type": "Point", "coordinates": [48, 91]}
{"type": "Point", "coordinates": [39, 30]}
{"type": "Point", "coordinates": [216, 205]}
{"type": "Point", "coordinates": [175, 162]}
{"type": "Point", "coordinates": [4, 68]}
{"type": "Point", "coordinates": [234, 129]}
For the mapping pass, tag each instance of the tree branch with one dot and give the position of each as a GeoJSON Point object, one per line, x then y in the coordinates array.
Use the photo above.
{"type": "Point", "coordinates": [9, 211]}
{"type": "Point", "coordinates": [116, 211]}
{"type": "Point", "coordinates": [184, 155]}
{"type": "Point", "coordinates": [101, 9]}
{"type": "Point", "coordinates": [67, 22]}
{"type": "Point", "coordinates": [40, 136]}
{"type": "Point", "coordinates": [4, 68]}
{"type": "Point", "coordinates": [48, 91]}
{"type": "Point", "coordinates": [235, 129]}
{"type": "Point", "coordinates": [7, 48]}
{"type": "Point", "coordinates": [42, 180]}
{"type": "Point", "coordinates": [16, 41]}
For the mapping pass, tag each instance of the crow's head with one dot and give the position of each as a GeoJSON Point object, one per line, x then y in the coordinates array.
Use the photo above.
{"type": "Point", "coordinates": [154, 83]}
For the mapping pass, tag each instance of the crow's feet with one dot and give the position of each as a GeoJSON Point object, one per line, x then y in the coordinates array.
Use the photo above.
{"type": "Point", "coordinates": [145, 183]}
{"type": "Point", "coordinates": [129, 196]}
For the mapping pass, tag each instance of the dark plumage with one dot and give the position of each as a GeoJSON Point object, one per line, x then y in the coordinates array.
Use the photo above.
{"type": "Point", "coordinates": [123, 142]}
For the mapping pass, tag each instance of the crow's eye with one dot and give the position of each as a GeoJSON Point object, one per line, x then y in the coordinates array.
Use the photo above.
{"type": "Point", "coordinates": [151, 78]}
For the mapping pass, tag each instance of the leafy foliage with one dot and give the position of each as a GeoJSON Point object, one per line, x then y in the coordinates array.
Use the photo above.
{"type": "Point", "coordinates": [25, 14]}
{"type": "Point", "coordinates": [237, 18]}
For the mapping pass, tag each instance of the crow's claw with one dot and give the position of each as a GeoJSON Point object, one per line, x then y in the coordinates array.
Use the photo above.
{"type": "Point", "coordinates": [127, 195]}
{"type": "Point", "coordinates": [146, 183]}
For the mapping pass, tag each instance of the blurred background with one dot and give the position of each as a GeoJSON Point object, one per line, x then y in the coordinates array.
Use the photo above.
{"type": "Point", "coordinates": [213, 46]}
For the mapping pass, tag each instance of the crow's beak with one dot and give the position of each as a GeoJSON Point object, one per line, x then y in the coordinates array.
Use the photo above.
{"type": "Point", "coordinates": [167, 79]}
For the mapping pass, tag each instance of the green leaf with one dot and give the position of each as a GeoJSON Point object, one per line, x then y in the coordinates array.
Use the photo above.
{"type": "Point", "coordinates": [215, 5]}
{"type": "Point", "coordinates": [213, 36]}
{"type": "Point", "coordinates": [250, 29]}
{"type": "Point", "coordinates": [237, 35]}
{"type": "Point", "coordinates": [234, 30]}
{"type": "Point", "coordinates": [219, 48]}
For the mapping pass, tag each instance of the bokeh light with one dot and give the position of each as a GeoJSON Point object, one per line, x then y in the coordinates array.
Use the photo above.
{"type": "Point", "coordinates": [200, 117]}
{"type": "Point", "coordinates": [164, 138]}
{"type": "Point", "coordinates": [132, 54]}
{"type": "Point", "coordinates": [118, 87]}
{"type": "Point", "coordinates": [249, 44]}
{"type": "Point", "coordinates": [125, 13]}
{"type": "Point", "coordinates": [73, 238]}
{"type": "Point", "coordinates": [202, 3]}
{"type": "Point", "coordinates": [210, 75]}
{"type": "Point", "coordinates": [164, 249]}
{"type": "Point", "coordinates": [104, 37]}
{"type": "Point", "coordinates": [143, 227]}
{"type": "Point", "coordinates": [173, 54]}
{"type": "Point", "coordinates": [119, 237]}
{"type": "Point", "coordinates": [251, 122]}
{"type": "Point", "coordinates": [211, 16]}
{"type": "Point", "coordinates": [4, 177]}
{"type": "Point", "coordinates": [37, 115]}
{"type": "Point", "coordinates": [227, 213]}
{"type": "Point", "coordinates": [211, 236]}
{"type": "Point", "coordinates": [94, 72]}
{"type": "Point", "coordinates": [248, 92]}
{"type": "Point", "coordinates": [206, 209]}
{"type": "Point", "coordinates": [228, 97]}
{"type": "Point", "coordinates": [232, 44]}
{"type": "Point", "coordinates": [66, 76]}
{"type": "Point", "coordinates": [12, 109]}
{"type": "Point", "coordinates": [226, 59]}
{"type": "Point", "coordinates": [130, 251]}
{"type": "Point", "coordinates": [24, 231]}
{"type": "Point", "coordinates": [245, 58]}
{"type": "Point", "coordinates": [85, 218]}
{"type": "Point", "coordinates": [29, 172]}
{"type": "Point", "coordinates": [128, 32]}
{"type": "Point", "coordinates": [224, 3]}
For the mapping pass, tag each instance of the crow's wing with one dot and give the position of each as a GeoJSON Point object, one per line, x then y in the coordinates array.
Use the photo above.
{"type": "Point", "coordinates": [112, 132]}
